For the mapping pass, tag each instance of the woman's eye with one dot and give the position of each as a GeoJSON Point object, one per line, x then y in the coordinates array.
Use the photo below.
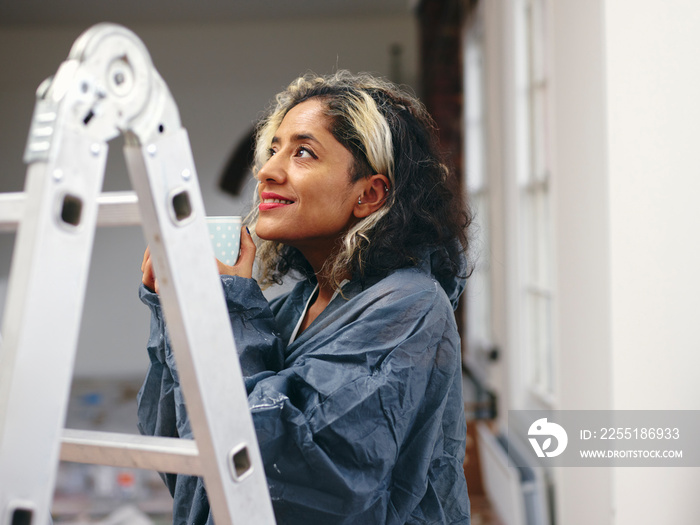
{"type": "Point", "coordinates": [304, 152]}
{"type": "Point", "coordinates": [270, 152]}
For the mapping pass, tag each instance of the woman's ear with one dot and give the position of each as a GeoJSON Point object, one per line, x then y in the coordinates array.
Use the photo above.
{"type": "Point", "coordinates": [375, 191]}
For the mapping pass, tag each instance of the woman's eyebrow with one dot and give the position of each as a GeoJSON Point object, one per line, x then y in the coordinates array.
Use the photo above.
{"type": "Point", "coordinates": [298, 137]}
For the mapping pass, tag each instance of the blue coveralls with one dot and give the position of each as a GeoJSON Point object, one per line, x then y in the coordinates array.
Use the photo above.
{"type": "Point", "coordinates": [360, 420]}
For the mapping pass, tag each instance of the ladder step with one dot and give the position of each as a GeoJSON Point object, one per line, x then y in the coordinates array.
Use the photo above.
{"type": "Point", "coordinates": [11, 209]}
{"type": "Point", "coordinates": [116, 208]}
{"type": "Point", "coordinates": [132, 451]}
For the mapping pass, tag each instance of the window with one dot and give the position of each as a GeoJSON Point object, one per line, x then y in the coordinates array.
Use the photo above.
{"type": "Point", "coordinates": [478, 293]}
{"type": "Point", "coordinates": [533, 166]}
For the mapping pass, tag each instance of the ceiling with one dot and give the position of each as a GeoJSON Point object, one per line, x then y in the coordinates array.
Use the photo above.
{"type": "Point", "coordinates": [61, 12]}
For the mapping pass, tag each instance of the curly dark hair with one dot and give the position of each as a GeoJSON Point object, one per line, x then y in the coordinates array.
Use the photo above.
{"type": "Point", "coordinates": [388, 131]}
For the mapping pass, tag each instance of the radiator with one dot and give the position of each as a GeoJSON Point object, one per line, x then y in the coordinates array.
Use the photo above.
{"type": "Point", "coordinates": [517, 494]}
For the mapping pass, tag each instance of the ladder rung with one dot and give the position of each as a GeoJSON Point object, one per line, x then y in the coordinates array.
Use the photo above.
{"type": "Point", "coordinates": [129, 450]}
{"type": "Point", "coordinates": [116, 208]}
{"type": "Point", "coordinates": [11, 209]}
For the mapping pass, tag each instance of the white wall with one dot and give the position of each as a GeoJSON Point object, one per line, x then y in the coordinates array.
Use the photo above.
{"type": "Point", "coordinates": [652, 83]}
{"type": "Point", "coordinates": [222, 77]}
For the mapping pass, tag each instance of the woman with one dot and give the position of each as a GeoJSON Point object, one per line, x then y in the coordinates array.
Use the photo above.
{"type": "Point", "coordinates": [354, 377]}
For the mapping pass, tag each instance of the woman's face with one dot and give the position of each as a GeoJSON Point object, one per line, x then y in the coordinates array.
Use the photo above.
{"type": "Point", "coordinates": [307, 199]}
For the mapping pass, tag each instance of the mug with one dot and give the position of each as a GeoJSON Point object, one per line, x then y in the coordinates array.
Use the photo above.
{"type": "Point", "coordinates": [225, 236]}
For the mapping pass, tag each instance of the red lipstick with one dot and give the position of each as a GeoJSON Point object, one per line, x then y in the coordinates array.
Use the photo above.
{"type": "Point", "coordinates": [273, 200]}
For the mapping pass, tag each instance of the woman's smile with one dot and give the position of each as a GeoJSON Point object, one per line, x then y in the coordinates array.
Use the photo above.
{"type": "Point", "coordinates": [270, 201]}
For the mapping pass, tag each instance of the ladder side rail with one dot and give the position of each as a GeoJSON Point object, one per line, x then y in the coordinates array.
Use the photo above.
{"type": "Point", "coordinates": [46, 289]}
{"type": "Point", "coordinates": [172, 210]}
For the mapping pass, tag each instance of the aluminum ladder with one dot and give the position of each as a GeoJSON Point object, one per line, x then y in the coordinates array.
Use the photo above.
{"type": "Point", "coordinates": [108, 86]}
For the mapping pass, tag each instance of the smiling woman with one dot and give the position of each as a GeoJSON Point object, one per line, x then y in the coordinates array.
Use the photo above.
{"type": "Point", "coordinates": [307, 197]}
{"type": "Point", "coordinates": [354, 377]}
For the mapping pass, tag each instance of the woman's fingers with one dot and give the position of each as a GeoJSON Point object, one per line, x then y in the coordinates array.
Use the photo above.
{"type": "Point", "coordinates": [242, 268]}
{"type": "Point", "coordinates": [149, 277]}
{"type": "Point", "coordinates": [247, 256]}
{"type": "Point", "coordinates": [146, 256]}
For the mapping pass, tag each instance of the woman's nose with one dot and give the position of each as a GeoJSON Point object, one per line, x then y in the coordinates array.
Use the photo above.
{"type": "Point", "coordinates": [273, 170]}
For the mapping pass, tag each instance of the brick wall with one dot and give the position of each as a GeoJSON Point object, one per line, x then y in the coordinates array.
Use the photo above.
{"type": "Point", "coordinates": [441, 72]}
{"type": "Point", "coordinates": [441, 90]}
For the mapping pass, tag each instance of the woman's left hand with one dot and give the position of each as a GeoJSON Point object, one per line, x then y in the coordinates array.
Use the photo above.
{"type": "Point", "coordinates": [244, 264]}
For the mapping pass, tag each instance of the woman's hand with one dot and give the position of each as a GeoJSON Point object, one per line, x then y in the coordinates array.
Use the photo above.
{"type": "Point", "coordinates": [242, 268]}
{"type": "Point", "coordinates": [244, 264]}
{"type": "Point", "coordinates": [149, 278]}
